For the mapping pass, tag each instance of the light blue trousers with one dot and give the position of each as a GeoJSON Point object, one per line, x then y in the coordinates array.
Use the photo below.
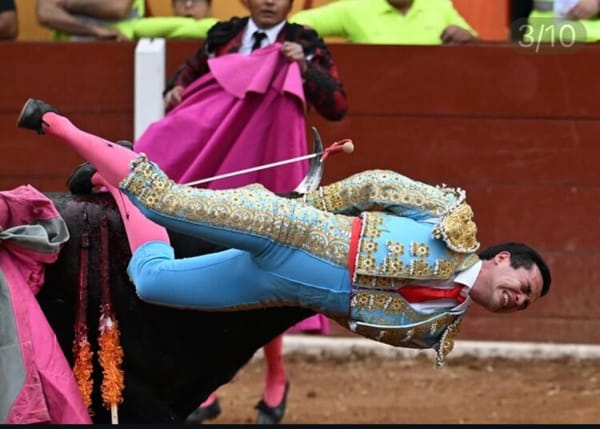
{"type": "Point", "coordinates": [283, 252]}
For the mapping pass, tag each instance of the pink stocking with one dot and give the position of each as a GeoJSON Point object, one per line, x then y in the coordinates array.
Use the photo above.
{"type": "Point", "coordinates": [275, 377]}
{"type": "Point", "coordinates": [139, 228]}
{"type": "Point", "coordinates": [112, 162]}
{"type": "Point", "coordinates": [110, 159]}
{"type": "Point", "coordinates": [210, 400]}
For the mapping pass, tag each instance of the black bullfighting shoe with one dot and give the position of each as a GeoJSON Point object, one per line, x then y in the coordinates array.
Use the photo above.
{"type": "Point", "coordinates": [31, 115]}
{"type": "Point", "coordinates": [201, 414]}
{"type": "Point", "coordinates": [80, 181]}
{"type": "Point", "coordinates": [272, 415]}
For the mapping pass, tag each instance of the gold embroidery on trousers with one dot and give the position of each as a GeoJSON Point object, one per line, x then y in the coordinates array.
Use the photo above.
{"type": "Point", "coordinates": [251, 209]}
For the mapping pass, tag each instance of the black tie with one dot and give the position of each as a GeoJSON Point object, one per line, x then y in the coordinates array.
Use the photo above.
{"type": "Point", "coordinates": [258, 37]}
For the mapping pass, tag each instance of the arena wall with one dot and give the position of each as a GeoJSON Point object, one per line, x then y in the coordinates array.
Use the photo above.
{"type": "Point", "coordinates": [517, 129]}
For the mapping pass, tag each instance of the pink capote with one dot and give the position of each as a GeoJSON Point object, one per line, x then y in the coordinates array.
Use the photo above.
{"type": "Point", "coordinates": [249, 110]}
{"type": "Point", "coordinates": [47, 390]}
{"type": "Point", "coordinates": [317, 324]}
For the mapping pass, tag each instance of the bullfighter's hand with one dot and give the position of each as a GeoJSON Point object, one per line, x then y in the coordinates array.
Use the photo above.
{"type": "Point", "coordinates": [293, 52]}
{"type": "Point", "coordinates": [173, 97]}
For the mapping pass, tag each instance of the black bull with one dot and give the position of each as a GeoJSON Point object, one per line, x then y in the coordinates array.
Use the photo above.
{"type": "Point", "coordinates": [172, 358]}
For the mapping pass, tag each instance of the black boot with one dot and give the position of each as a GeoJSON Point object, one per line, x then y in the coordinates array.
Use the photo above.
{"type": "Point", "coordinates": [272, 415]}
{"type": "Point", "coordinates": [31, 115]}
{"type": "Point", "coordinates": [200, 414]}
{"type": "Point", "coordinates": [80, 181]}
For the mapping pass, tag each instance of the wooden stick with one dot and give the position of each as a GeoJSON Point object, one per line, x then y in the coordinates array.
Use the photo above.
{"type": "Point", "coordinates": [114, 414]}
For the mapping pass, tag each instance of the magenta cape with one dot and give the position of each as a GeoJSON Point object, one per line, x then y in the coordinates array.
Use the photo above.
{"type": "Point", "coordinates": [36, 382]}
{"type": "Point", "coordinates": [317, 324]}
{"type": "Point", "coordinates": [249, 110]}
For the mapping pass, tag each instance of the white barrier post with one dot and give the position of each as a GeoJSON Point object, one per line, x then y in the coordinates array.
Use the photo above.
{"type": "Point", "coordinates": [149, 82]}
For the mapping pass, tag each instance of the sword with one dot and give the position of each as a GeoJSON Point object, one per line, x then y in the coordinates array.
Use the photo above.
{"type": "Point", "coordinates": [315, 170]}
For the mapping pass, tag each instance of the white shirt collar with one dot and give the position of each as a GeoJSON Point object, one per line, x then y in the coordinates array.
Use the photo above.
{"type": "Point", "coordinates": [468, 276]}
{"type": "Point", "coordinates": [251, 27]}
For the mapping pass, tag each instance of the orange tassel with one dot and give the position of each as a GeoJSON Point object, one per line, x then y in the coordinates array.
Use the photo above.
{"type": "Point", "coordinates": [110, 356]}
{"type": "Point", "coordinates": [82, 369]}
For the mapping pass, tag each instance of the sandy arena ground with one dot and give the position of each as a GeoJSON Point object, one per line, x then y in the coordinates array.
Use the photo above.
{"type": "Point", "coordinates": [383, 390]}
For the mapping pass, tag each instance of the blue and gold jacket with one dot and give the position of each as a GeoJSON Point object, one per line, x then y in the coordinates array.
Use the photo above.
{"type": "Point", "coordinates": [411, 231]}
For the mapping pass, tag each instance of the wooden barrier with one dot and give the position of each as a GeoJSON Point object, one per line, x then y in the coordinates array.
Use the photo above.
{"type": "Point", "coordinates": [517, 130]}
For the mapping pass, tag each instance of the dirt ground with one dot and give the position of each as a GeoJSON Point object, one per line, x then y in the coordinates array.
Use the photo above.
{"type": "Point", "coordinates": [380, 390]}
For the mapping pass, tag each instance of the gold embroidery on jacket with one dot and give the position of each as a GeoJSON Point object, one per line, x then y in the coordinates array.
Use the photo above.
{"type": "Point", "coordinates": [418, 329]}
{"type": "Point", "coordinates": [393, 268]}
{"type": "Point", "coordinates": [458, 230]}
{"type": "Point", "coordinates": [420, 250]}
{"type": "Point", "coordinates": [446, 344]}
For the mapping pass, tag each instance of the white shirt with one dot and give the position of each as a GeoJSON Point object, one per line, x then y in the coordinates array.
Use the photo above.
{"type": "Point", "coordinates": [466, 278]}
{"type": "Point", "coordinates": [248, 40]}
